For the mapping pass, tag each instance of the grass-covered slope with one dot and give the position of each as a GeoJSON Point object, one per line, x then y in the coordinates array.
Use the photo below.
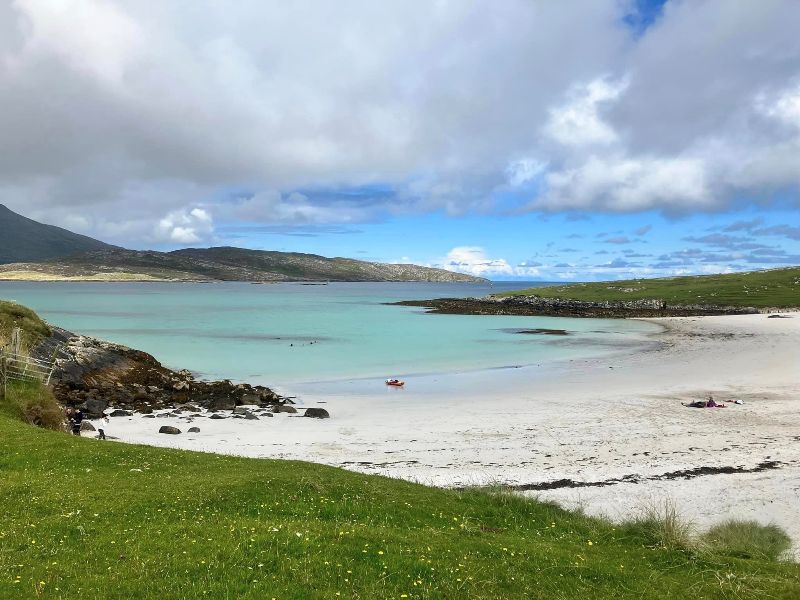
{"type": "Point", "coordinates": [775, 288]}
{"type": "Point", "coordinates": [15, 315]}
{"type": "Point", "coordinates": [90, 519]}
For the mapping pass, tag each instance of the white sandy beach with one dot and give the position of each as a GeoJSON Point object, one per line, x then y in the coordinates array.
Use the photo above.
{"type": "Point", "coordinates": [585, 421]}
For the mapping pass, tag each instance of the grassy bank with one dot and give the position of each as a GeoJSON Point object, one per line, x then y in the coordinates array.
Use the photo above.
{"type": "Point", "coordinates": [761, 289]}
{"type": "Point", "coordinates": [90, 519]}
{"type": "Point", "coordinates": [15, 315]}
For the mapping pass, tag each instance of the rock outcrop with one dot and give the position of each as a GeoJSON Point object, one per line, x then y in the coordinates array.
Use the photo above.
{"type": "Point", "coordinates": [561, 307]}
{"type": "Point", "coordinates": [95, 375]}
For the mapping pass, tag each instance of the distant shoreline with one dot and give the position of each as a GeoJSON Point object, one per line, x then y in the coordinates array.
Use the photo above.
{"type": "Point", "coordinates": [536, 306]}
{"type": "Point", "coordinates": [137, 278]}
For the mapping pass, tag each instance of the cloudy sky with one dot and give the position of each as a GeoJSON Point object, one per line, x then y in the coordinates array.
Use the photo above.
{"type": "Point", "coordinates": [512, 139]}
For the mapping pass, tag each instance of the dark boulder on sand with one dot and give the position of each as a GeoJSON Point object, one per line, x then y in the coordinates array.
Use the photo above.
{"type": "Point", "coordinates": [120, 413]}
{"type": "Point", "coordinates": [169, 429]}
{"type": "Point", "coordinates": [86, 426]}
{"type": "Point", "coordinates": [194, 430]}
{"type": "Point", "coordinates": [215, 416]}
{"type": "Point", "coordinates": [317, 413]}
{"type": "Point", "coordinates": [284, 408]}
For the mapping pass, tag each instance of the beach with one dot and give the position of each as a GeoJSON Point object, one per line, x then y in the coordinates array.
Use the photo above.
{"type": "Point", "coordinates": [615, 422]}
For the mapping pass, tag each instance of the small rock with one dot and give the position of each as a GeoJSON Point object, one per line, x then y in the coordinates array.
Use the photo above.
{"type": "Point", "coordinates": [169, 429]}
{"type": "Point", "coordinates": [86, 426]}
{"type": "Point", "coordinates": [284, 408]}
{"type": "Point", "coordinates": [215, 416]}
{"type": "Point", "coordinates": [194, 430]}
{"type": "Point", "coordinates": [317, 413]}
{"type": "Point", "coordinates": [180, 385]}
{"type": "Point", "coordinates": [250, 417]}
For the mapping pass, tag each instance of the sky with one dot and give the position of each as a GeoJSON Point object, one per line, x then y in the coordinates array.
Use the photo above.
{"type": "Point", "coordinates": [519, 139]}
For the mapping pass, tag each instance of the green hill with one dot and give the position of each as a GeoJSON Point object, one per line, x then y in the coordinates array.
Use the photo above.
{"type": "Point", "coordinates": [778, 288]}
{"type": "Point", "coordinates": [26, 240]}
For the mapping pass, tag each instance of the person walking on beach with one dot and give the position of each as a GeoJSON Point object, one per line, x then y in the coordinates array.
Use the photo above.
{"type": "Point", "coordinates": [75, 421]}
{"type": "Point", "coordinates": [101, 428]}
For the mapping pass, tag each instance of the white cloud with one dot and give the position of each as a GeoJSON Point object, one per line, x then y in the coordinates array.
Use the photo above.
{"type": "Point", "coordinates": [296, 209]}
{"type": "Point", "coordinates": [524, 170]}
{"type": "Point", "coordinates": [578, 122]}
{"type": "Point", "coordinates": [784, 107]}
{"type": "Point", "coordinates": [128, 111]}
{"type": "Point", "coordinates": [90, 36]}
{"type": "Point", "coordinates": [629, 184]}
{"type": "Point", "coordinates": [185, 227]}
{"type": "Point", "coordinates": [474, 260]}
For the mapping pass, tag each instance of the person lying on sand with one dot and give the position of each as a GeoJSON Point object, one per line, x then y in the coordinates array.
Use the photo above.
{"type": "Point", "coordinates": [710, 403]}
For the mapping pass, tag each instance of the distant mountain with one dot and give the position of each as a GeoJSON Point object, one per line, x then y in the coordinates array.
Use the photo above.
{"type": "Point", "coordinates": [33, 251]}
{"type": "Point", "coordinates": [25, 240]}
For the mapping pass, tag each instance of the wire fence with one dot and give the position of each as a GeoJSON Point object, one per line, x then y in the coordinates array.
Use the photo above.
{"type": "Point", "coordinates": [18, 366]}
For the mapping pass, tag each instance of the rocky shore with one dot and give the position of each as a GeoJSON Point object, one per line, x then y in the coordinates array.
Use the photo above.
{"type": "Point", "coordinates": [97, 376]}
{"type": "Point", "coordinates": [559, 307]}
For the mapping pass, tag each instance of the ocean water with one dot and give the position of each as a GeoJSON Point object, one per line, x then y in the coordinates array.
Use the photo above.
{"type": "Point", "coordinates": [283, 334]}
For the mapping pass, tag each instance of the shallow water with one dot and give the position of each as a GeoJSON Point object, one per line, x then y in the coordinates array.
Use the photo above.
{"type": "Point", "coordinates": [298, 333]}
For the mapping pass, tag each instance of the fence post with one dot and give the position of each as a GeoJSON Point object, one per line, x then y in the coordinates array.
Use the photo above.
{"type": "Point", "coordinates": [3, 371]}
{"type": "Point", "coordinates": [16, 340]}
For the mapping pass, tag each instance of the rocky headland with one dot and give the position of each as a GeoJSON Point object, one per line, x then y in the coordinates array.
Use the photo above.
{"type": "Point", "coordinates": [560, 307]}
{"type": "Point", "coordinates": [96, 376]}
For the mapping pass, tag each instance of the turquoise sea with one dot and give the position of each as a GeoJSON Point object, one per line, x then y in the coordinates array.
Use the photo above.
{"type": "Point", "coordinates": [298, 333]}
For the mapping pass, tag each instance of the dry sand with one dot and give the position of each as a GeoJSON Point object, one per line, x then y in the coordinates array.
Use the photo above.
{"type": "Point", "coordinates": [588, 421]}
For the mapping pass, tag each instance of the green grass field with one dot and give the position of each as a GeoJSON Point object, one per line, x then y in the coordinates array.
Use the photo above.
{"type": "Point", "coordinates": [88, 519]}
{"type": "Point", "coordinates": [778, 288]}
